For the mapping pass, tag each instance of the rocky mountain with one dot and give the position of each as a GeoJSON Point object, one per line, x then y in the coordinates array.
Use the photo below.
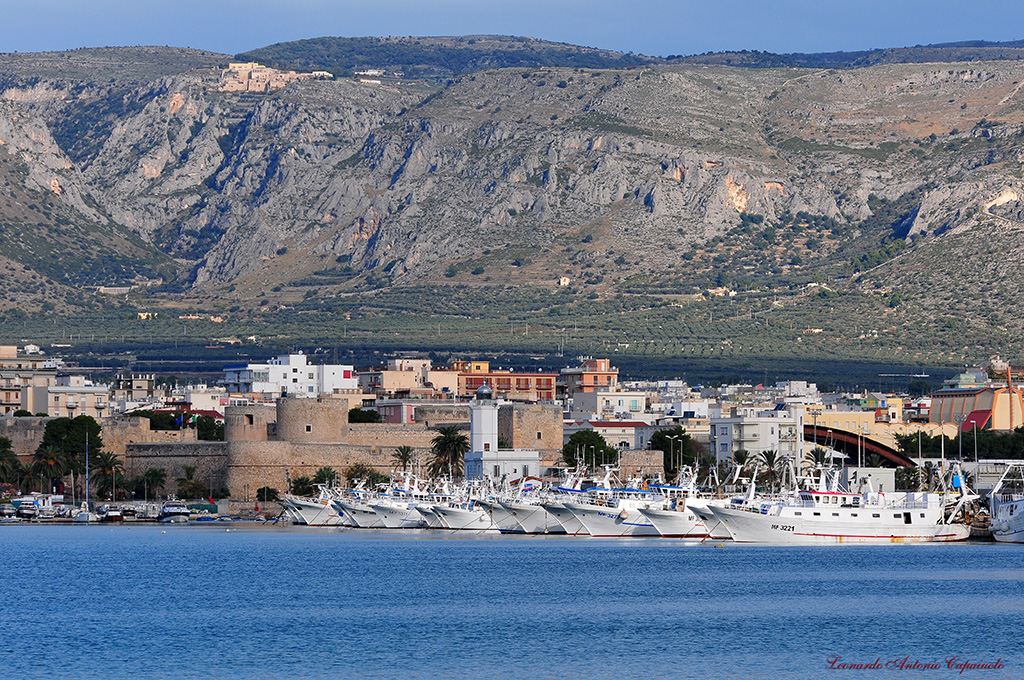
{"type": "Point", "coordinates": [892, 192]}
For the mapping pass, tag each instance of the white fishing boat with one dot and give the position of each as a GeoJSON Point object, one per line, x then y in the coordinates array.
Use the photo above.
{"type": "Point", "coordinates": [317, 511]}
{"type": "Point", "coordinates": [1006, 505]}
{"type": "Point", "coordinates": [829, 514]}
{"type": "Point", "coordinates": [357, 511]}
{"type": "Point", "coordinates": [501, 516]}
{"type": "Point", "coordinates": [465, 516]}
{"type": "Point", "coordinates": [432, 519]}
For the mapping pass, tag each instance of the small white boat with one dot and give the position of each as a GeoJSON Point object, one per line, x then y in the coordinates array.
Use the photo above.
{"type": "Point", "coordinates": [173, 512]}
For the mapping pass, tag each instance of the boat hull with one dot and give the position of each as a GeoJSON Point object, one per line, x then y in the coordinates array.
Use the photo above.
{"type": "Point", "coordinates": [533, 518]}
{"type": "Point", "coordinates": [399, 516]}
{"type": "Point", "coordinates": [1008, 522]}
{"type": "Point", "coordinates": [569, 522]}
{"type": "Point", "coordinates": [753, 527]}
{"type": "Point", "coordinates": [605, 522]}
{"type": "Point", "coordinates": [675, 523]}
{"type": "Point", "coordinates": [465, 519]}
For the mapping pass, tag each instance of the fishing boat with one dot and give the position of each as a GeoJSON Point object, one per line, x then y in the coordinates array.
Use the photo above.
{"type": "Point", "coordinates": [1006, 505]}
{"type": "Point", "coordinates": [829, 514]}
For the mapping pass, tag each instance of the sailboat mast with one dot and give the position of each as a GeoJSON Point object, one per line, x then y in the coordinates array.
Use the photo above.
{"type": "Point", "coordinates": [87, 505]}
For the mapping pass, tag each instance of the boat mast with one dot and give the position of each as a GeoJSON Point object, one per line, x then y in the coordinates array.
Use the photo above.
{"type": "Point", "coordinates": [87, 506]}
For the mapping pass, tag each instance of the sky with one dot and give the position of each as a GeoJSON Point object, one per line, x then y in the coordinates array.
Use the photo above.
{"type": "Point", "coordinates": [650, 27]}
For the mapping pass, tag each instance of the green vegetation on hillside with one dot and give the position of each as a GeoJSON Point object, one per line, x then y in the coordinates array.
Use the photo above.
{"type": "Point", "coordinates": [433, 57]}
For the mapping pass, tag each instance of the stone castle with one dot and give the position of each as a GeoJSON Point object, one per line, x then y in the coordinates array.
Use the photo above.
{"type": "Point", "coordinates": [268, 445]}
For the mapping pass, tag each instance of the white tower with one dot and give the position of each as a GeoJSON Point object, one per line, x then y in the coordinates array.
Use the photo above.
{"type": "Point", "coordinates": [483, 422]}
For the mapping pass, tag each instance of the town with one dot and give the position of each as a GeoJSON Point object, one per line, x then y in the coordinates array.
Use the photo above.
{"type": "Point", "coordinates": [276, 428]}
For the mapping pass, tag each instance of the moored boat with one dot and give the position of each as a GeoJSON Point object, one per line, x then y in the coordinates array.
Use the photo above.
{"type": "Point", "coordinates": [1006, 505]}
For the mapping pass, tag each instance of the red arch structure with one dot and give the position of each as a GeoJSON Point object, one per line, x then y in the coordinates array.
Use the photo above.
{"type": "Point", "coordinates": [847, 442]}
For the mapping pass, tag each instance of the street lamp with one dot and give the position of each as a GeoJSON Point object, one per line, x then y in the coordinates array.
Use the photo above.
{"type": "Point", "coordinates": [960, 419]}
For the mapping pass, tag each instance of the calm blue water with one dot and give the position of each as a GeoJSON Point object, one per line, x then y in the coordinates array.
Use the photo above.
{"type": "Point", "coordinates": [202, 602]}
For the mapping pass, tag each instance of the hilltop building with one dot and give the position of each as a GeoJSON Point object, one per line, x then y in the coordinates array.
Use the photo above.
{"type": "Point", "coordinates": [290, 375]}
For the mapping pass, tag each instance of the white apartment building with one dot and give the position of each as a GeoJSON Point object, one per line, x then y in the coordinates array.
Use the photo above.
{"type": "Point", "coordinates": [610, 405]}
{"type": "Point", "coordinates": [292, 376]}
{"type": "Point", "coordinates": [756, 430]}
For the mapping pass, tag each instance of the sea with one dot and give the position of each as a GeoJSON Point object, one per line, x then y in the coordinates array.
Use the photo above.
{"type": "Point", "coordinates": [245, 601]}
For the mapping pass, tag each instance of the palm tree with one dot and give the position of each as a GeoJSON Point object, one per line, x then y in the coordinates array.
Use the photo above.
{"type": "Point", "coordinates": [107, 472]}
{"type": "Point", "coordinates": [325, 475]}
{"type": "Point", "coordinates": [154, 479]}
{"type": "Point", "coordinates": [817, 457]}
{"type": "Point", "coordinates": [403, 456]}
{"type": "Point", "coordinates": [11, 469]}
{"type": "Point", "coordinates": [772, 462]}
{"type": "Point", "coordinates": [742, 458]}
{"type": "Point", "coordinates": [449, 447]}
{"type": "Point", "coordinates": [49, 463]}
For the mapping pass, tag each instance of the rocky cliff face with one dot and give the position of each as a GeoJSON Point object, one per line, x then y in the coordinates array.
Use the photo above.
{"type": "Point", "coordinates": [603, 175]}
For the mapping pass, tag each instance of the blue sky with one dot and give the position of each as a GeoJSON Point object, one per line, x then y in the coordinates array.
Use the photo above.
{"type": "Point", "coordinates": [653, 27]}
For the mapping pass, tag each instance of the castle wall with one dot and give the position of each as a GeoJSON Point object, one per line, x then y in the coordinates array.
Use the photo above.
{"type": "Point", "coordinates": [120, 431]}
{"type": "Point", "coordinates": [436, 415]}
{"type": "Point", "coordinates": [209, 459]}
{"type": "Point", "coordinates": [532, 426]}
{"type": "Point", "coordinates": [249, 423]}
{"type": "Point", "coordinates": [311, 421]}
{"type": "Point", "coordinates": [25, 434]}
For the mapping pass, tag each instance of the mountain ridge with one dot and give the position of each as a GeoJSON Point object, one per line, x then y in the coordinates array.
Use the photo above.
{"type": "Point", "coordinates": [795, 194]}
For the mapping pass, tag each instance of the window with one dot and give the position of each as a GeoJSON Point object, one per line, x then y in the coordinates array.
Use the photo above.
{"type": "Point", "coordinates": [309, 389]}
{"type": "Point", "coordinates": [309, 376]}
{"type": "Point", "coordinates": [497, 470]}
{"type": "Point", "coordinates": [309, 428]}
{"type": "Point", "coordinates": [817, 514]}
{"type": "Point", "coordinates": [487, 446]}
{"type": "Point", "coordinates": [539, 436]}
{"type": "Point", "coordinates": [295, 380]}
{"type": "Point", "coordinates": [835, 514]}
{"type": "Point", "coordinates": [798, 513]}
{"type": "Point", "coordinates": [875, 514]}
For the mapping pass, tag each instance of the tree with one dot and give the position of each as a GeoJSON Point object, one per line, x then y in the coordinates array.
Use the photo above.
{"type": "Point", "coordinates": [11, 469]}
{"type": "Point", "coordinates": [22, 413]}
{"type": "Point", "coordinates": [50, 464]}
{"type": "Point", "coordinates": [208, 429]}
{"type": "Point", "coordinates": [107, 473]}
{"type": "Point", "coordinates": [158, 420]}
{"type": "Point", "coordinates": [772, 463]}
{"type": "Point", "coordinates": [742, 458]}
{"type": "Point", "coordinates": [266, 494]}
{"type": "Point", "coordinates": [302, 486]}
{"type": "Point", "coordinates": [403, 456]}
{"type": "Point", "coordinates": [154, 479]}
{"type": "Point", "coordinates": [189, 486]}
{"type": "Point", "coordinates": [587, 446]}
{"type": "Point", "coordinates": [326, 475]}
{"type": "Point", "coordinates": [359, 471]}
{"type": "Point", "coordinates": [358, 415]}
{"type": "Point", "coordinates": [69, 437]}
{"type": "Point", "coordinates": [678, 448]}
{"type": "Point", "coordinates": [817, 457]}
{"type": "Point", "coordinates": [448, 448]}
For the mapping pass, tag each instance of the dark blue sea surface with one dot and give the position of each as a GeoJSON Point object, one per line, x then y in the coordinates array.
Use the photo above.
{"type": "Point", "coordinates": [253, 602]}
